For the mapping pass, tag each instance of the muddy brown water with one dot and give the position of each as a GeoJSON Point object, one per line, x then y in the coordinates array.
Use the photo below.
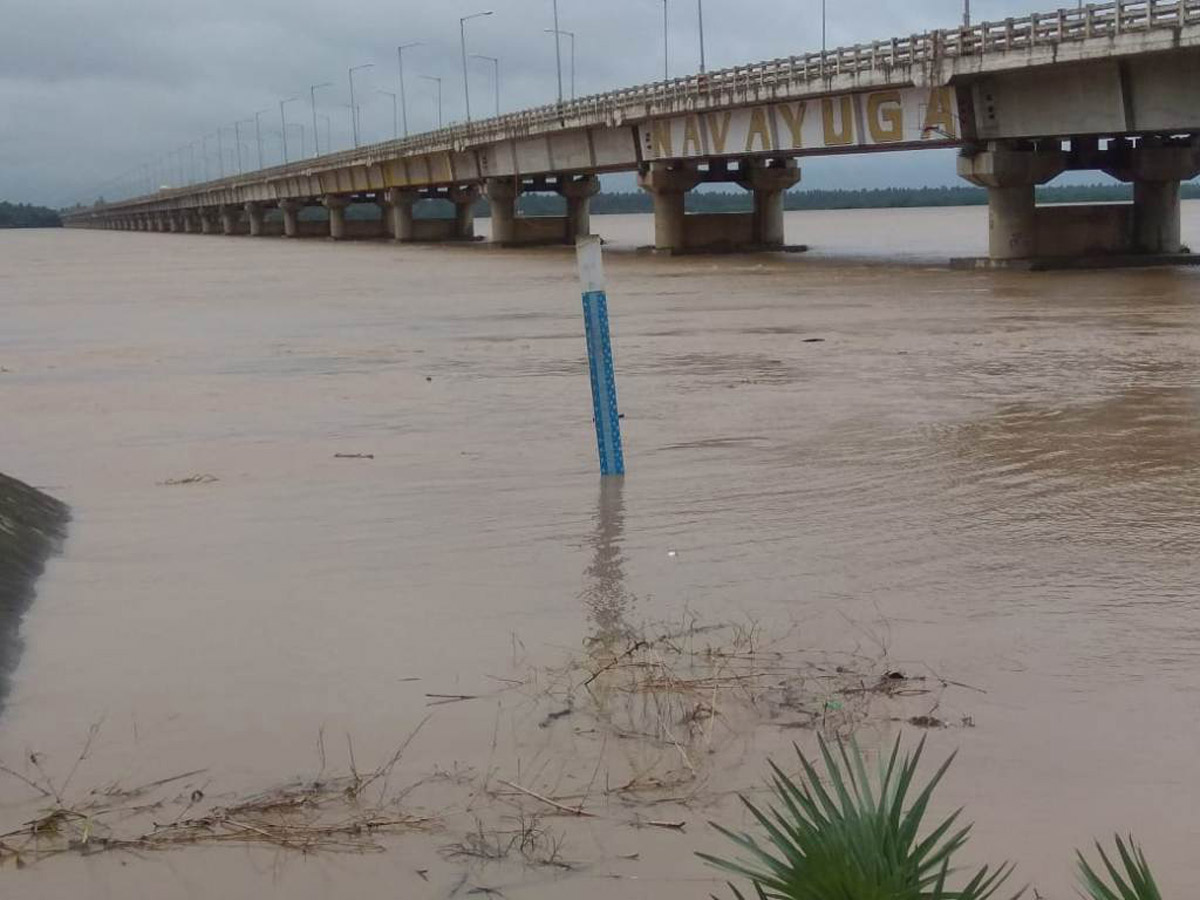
{"type": "Point", "coordinates": [994, 475]}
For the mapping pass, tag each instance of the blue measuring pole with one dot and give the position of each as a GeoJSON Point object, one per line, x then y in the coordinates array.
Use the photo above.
{"type": "Point", "coordinates": [600, 358]}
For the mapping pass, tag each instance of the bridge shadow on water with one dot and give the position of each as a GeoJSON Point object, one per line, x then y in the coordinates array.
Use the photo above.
{"type": "Point", "coordinates": [32, 528]}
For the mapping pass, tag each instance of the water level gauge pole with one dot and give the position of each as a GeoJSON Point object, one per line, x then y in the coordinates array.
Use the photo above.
{"type": "Point", "coordinates": [600, 358]}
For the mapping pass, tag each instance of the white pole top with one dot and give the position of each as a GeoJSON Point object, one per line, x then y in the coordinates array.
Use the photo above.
{"type": "Point", "coordinates": [591, 263]}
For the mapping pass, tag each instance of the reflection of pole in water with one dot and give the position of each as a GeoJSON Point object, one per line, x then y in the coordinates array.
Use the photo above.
{"type": "Point", "coordinates": [604, 592]}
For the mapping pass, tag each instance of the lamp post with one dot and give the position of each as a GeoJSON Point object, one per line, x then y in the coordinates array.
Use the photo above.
{"type": "Point", "coordinates": [258, 135]}
{"type": "Point", "coordinates": [437, 80]}
{"type": "Point", "coordinates": [495, 75]}
{"type": "Point", "coordinates": [312, 96]}
{"type": "Point", "coordinates": [220, 153]}
{"type": "Point", "coordinates": [571, 35]}
{"type": "Point", "coordinates": [700, 19]}
{"type": "Point", "coordinates": [558, 53]}
{"type": "Point", "coordinates": [204, 148]}
{"type": "Point", "coordinates": [403, 94]}
{"type": "Point", "coordinates": [462, 37]}
{"type": "Point", "coordinates": [353, 108]}
{"type": "Point", "coordinates": [283, 126]}
{"type": "Point", "coordinates": [666, 57]}
{"type": "Point", "coordinates": [395, 114]}
{"type": "Point", "coordinates": [966, 13]}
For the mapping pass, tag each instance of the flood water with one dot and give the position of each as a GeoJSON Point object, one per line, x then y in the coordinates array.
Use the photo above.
{"type": "Point", "coordinates": [994, 476]}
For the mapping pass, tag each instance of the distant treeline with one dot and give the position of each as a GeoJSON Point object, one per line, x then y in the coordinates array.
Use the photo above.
{"type": "Point", "coordinates": [23, 215]}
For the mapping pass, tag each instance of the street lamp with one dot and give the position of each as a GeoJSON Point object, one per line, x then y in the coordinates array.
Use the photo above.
{"type": "Point", "coordinates": [462, 37]}
{"type": "Point", "coordinates": [312, 96]}
{"type": "Point", "coordinates": [353, 108]}
{"type": "Point", "coordinates": [438, 81]}
{"type": "Point", "coordinates": [666, 58]}
{"type": "Point", "coordinates": [403, 97]}
{"type": "Point", "coordinates": [495, 77]}
{"type": "Point", "coordinates": [700, 19]}
{"type": "Point", "coordinates": [571, 35]}
{"type": "Point", "coordinates": [258, 135]}
{"type": "Point", "coordinates": [558, 53]}
{"type": "Point", "coordinates": [966, 13]}
{"type": "Point", "coordinates": [220, 153]}
{"type": "Point", "coordinates": [395, 114]}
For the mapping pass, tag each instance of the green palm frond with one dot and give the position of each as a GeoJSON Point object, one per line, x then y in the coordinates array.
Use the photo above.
{"type": "Point", "coordinates": [851, 837]}
{"type": "Point", "coordinates": [1135, 883]}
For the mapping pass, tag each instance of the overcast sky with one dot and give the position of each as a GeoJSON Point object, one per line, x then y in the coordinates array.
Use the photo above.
{"type": "Point", "coordinates": [90, 89]}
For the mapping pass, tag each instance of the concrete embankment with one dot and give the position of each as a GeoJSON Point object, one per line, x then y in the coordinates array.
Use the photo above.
{"type": "Point", "coordinates": [32, 528]}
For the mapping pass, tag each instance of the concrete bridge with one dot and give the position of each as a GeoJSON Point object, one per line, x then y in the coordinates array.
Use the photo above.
{"type": "Point", "coordinates": [1113, 87]}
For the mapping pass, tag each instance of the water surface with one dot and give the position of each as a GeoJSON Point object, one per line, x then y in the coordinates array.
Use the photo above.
{"type": "Point", "coordinates": [996, 475]}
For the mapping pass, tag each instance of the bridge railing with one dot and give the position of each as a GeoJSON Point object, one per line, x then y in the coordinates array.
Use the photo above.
{"type": "Point", "coordinates": [770, 78]}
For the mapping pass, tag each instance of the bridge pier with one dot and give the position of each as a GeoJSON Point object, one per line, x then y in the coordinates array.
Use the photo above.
{"type": "Point", "coordinates": [509, 229]}
{"type": "Point", "coordinates": [768, 181]}
{"type": "Point", "coordinates": [291, 217]}
{"type": "Point", "coordinates": [255, 214]}
{"type": "Point", "coordinates": [398, 206]}
{"type": "Point", "coordinates": [1020, 230]}
{"type": "Point", "coordinates": [1011, 176]}
{"type": "Point", "coordinates": [337, 215]}
{"type": "Point", "coordinates": [1156, 169]}
{"type": "Point", "coordinates": [208, 220]}
{"type": "Point", "coordinates": [463, 197]}
{"type": "Point", "coordinates": [231, 218]}
{"type": "Point", "coordinates": [676, 231]}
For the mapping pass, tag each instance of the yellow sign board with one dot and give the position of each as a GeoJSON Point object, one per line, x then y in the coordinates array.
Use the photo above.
{"type": "Point", "coordinates": [917, 116]}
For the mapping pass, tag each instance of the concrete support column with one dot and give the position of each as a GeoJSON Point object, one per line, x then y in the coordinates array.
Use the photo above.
{"type": "Point", "coordinates": [187, 220]}
{"type": "Point", "coordinates": [667, 184]}
{"type": "Point", "coordinates": [400, 209]}
{"type": "Point", "coordinates": [387, 225]}
{"type": "Point", "coordinates": [1010, 175]}
{"type": "Point", "coordinates": [464, 198]}
{"type": "Point", "coordinates": [230, 215]}
{"type": "Point", "coordinates": [162, 223]}
{"type": "Point", "coordinates": [1156, 168]}
{"type": "Point", "coordinates": [256, 214]}
{"type": "Point", "coordinates": [337, 215]}
{"type": "Point", "coordinates": [291, 217]}
{"type": "Point", "coordinates": [502, 196]}
{"type": "Point", "coordinates": [579, 193]}
{"type": "Point", "coordinates": [1156, 217]}
{"type": "Point", "coordinates": [768, 182]}
{"type": "Point", "coordinates": [208, 221]}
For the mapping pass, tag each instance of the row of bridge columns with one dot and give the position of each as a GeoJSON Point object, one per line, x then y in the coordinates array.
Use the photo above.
{"type": "Point", "coordinates": [675, 229]}
{"type": "Point", "coordinates": [1018, 229]}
